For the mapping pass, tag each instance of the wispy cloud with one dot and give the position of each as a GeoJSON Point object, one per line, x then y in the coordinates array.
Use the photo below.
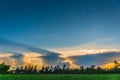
{"type": "Point", "coordinates": [96, 59]}
{"type": "Point", "coordinates": [91, 47]}
{"type": "Point", "coordinates": [20, 54]}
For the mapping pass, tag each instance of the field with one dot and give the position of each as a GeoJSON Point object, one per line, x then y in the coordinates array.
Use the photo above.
{"type": "Point", "coordinates": [61, 77]}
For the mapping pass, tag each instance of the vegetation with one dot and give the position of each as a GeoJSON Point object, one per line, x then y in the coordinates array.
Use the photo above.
{"type": "Point", "coordinates": [4, 68]}
{"type": "Point", "coordinates": [66, 70]}
{"type": "Point", "coordinates": [33, 69]}
{"type": "Point", "coordinates": [57, 73]}
{"type": "Point", "coordinates": [61, 77]}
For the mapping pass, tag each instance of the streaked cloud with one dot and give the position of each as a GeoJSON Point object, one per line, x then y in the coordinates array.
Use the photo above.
{"type": "Point", "coordinates": [7, 46]}
{"type": "Point", "coordinates": [17, 54]}
{"type": "Point", "coordinates": [106, 44]}
{"type": "Point", "coordinates": [21, 54]}
{"type": "Point", "coordinates": [96, 59]}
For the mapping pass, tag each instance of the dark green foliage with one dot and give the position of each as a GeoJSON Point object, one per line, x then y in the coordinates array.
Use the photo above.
{"type": "Point", "coordinates": [4, 68]}
{"type": "Point", "coordinates": [31, 69]}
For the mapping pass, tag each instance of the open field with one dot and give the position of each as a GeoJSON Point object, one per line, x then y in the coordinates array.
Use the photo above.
{"type": "Point", "coordinates": [62, 77]}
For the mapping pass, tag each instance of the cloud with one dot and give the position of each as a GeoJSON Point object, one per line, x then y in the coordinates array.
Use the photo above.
{"type": "Point", "coordinates": [24, 54]}
{"type": "Point", "coordinates": [96, 59]}
{"type": "Point", "coordinates": [19, 54]}
{"type": "Point", "coordinates": [54, 59]}
{"type": "Point", "coordinates": [18, 58]}
{"type": "Point", "coordinates": [91, 47]}
{"type": "Point", "coordinates": [7, 45]}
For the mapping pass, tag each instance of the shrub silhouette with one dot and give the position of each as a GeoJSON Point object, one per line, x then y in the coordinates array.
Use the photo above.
{"type": "Point", "coordinates": [4, 68]}
{"type": "Point", "coordinates": [32, 69]}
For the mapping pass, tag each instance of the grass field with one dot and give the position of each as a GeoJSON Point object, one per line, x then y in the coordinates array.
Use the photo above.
{"type": "Point", "coordinates": [61, 77]}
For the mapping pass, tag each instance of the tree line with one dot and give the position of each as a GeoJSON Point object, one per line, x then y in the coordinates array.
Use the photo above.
{"type": "Point", "coordinates": [32, 69]}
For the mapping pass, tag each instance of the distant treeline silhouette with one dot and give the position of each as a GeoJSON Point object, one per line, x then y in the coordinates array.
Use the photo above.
{"type": "Point", "coordinates": [32, 69]}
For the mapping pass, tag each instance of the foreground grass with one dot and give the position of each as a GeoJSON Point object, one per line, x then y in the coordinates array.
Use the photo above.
{"type": "Point", "coordinates": [62, 77]}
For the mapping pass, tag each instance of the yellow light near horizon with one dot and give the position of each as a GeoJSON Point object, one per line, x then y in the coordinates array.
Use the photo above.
{"type": "Point", "coordinates": [72, 65]}
{"type": "Point", "coordinates": [75, 52]}
{"type": "Point", "coordinates": [108, 65]}
{"type": "Point", "coordinates": [34, 58]}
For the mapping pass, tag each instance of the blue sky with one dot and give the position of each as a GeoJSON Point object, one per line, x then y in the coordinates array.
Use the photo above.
{"type": "Point", "coordinates": [59, 23]}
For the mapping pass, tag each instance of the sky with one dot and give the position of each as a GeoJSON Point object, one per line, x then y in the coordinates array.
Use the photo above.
{"type": "Point", "coordinates": [68, 27]}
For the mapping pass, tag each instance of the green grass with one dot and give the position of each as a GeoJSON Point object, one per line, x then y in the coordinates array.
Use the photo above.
{"type": "Point", "coordinates": [62, 77]}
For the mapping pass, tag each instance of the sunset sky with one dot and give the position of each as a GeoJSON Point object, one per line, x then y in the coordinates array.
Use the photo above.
{"type": "Point", "coordinates": [60, 31]}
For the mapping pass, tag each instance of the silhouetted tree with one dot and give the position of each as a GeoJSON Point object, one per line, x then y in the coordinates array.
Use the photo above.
{"type": "Point", "coordinates": [4, 68]}
{"type": "Point", "coordinates": [31, 69]}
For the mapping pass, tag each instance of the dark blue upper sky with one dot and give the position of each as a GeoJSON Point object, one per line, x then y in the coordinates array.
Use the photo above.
{"type": "Point", "coordinates": [59, 23]}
